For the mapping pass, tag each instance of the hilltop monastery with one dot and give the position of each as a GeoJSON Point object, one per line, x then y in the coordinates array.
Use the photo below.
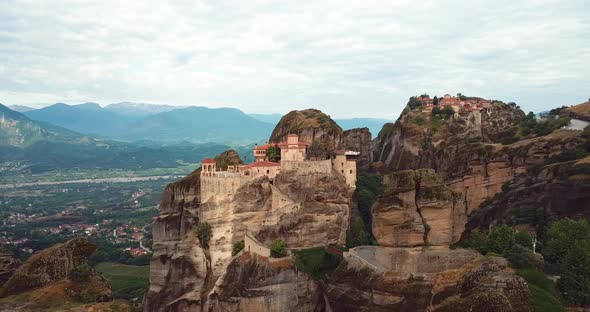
{"type": "Point", "coordinates": [215, 182]}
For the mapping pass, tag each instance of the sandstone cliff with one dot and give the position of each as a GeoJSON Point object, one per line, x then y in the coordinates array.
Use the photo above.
{"type": "Point", "coordinates": [305, 208]}
{"type": "Point", "coordinates": [535, 199]}
{"type": "Point", "coordinates": [375, 278]}
{"type": "Point", "coordinates": [253, 283]}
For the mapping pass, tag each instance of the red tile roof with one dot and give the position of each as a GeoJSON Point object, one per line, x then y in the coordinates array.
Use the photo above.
{"type": "Point", "coordinates": [208, 161]}
{"type": "Point", "coordinates": [265, 146]}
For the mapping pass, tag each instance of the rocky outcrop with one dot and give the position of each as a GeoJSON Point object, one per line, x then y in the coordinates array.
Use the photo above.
{"type": "Point", "coordinates": [416, 208]}
{"type": "Point", "coordinates": [8, 264]}
{"type": "Point", "coordinates": [304, 208]}
{"type": "Point", "coordinates": [56, 276]}
{"type": "Point", "coordinates": [254, 283]}
{"type": "Point", "coordinates": [580, 111]}
{"type": "Point", "coordinates": [179, 267]}
{"type": "Point", "coordinates": [310, 124]}
{"type": "Point", "coordinates": [359, 140]}
{"type": "Point", "coordinates": [542, 195]}
{"type": "Point", "coordinates": [375, 278]}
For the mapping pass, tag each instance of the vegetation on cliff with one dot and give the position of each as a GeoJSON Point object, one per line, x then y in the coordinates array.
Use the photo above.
{"type": "Point", "coordinates": [304, 120]}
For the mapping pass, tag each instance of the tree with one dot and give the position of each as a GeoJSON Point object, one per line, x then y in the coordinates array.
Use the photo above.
{"type": "Point", "coordinates": [436, 111]}
{"type": "Point", "coordinates": [435, 100]}
{"type": "Point", "coordinates": [501, 239]}
{"type": "Point", "coordinates": [562, 236]}
{"type": "Point", "coordinates": [278, 249]}
{"type": "Point", "coordinates": [448, 111]}
{"type": "Point", "coordinates": [574, 282]}
{"type": "Point", "coordinates": [238, 246]}
{"type": "Point", "coordinates": [478, 241]}
{"type": "Point", "coordinates": [413, 103]}
{"type": "Point", "coordinates": [204, 233]}
{"type": "Point", "coordinates": [523, 239]}
{"type": "Point", "coordinates": [273, 153]}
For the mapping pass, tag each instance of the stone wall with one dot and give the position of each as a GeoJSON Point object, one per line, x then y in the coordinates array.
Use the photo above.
{"type": "Point", "coordinates": [307, 167]}
{"type": "Point", "coordinates": [252, 245]}
{"type": "Point", "coordinates": [222, 185]}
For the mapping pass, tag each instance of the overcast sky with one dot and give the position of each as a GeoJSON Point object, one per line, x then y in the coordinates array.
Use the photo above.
{"type": "Point", "coordinates": [348, 58]}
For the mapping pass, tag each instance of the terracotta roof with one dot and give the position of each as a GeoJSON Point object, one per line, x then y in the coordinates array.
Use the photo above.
{"type": "Point", "coordinates": [263, 164]}
{"type": "Point", "coordinates": [265, 146]}
{"type": "Point", "coordinates": [208, 161]}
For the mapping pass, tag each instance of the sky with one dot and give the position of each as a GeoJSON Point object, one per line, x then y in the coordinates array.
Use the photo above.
{"type": "Point", "coordinates": [348, 58]}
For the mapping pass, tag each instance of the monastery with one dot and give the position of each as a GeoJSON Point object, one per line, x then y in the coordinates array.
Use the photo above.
{"type": "Point", "coordinates": [470, 105]}
{"type": "Point", "coordinates": [215, 183]}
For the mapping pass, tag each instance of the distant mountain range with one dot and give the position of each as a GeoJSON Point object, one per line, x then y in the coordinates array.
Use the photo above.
{"type": "Point", "coordinates": [127, 121]}
{"type": "Point", "coordinates": [28, 146]}
{"type": "Point", "coordinates": [20, 108]}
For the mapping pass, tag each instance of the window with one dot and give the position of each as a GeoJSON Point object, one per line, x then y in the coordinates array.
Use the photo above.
{"type": "Point", "coordinates": [342, 164]}
{"type": "Point", "coordinates": [342, 171]}
{"type": "Point", "coordinates": [267, 171]}
{"type": "Point", "coordinates": [350, 171]}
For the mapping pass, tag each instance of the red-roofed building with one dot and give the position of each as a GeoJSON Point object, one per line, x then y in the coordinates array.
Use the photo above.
{"type": "Point", "coordinates": [260, 151]}
{"type": "Point", "coordinates": [260, 168]}
{"type": "Point", "coordinates": [208, 167]}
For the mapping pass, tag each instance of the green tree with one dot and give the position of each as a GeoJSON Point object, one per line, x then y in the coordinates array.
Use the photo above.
{"type": "Point", "coordinates": [501, 239]}
{"type": "Point", "coordinates": [273, 153]}
{"type": "Point", "coordinates": [237, 247]}
{"type": "Point", "coordinates": [435, 100]}
{"type": "Point", "coordinates": [562, 236]}
{"type": "Point", "coordinates": [81, 274]}
{"type": "Point", "coordinates": [278, 249]}
{"type": "Point", "coordinates": [574, 282]}
{"type": "Point", "coordinates": [413, 103]}
{"type": "Point", "coordinates": [523, 239]}
{"type": "Point", "coordinates": [204, 233]}
{"type": "Point", "coordinates": [436, 111]}
{"type": "Point", "coordinates": [478, 241]}
{"type": "Point", "coordinates": [448, 111]}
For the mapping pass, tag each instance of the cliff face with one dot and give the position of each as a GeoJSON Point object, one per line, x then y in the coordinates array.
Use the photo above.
{"type": "Point", "coordinates": [359, 140]}
{"type": "Point", "coordinates": [416, 208]}
{"type": "Point", "coordinates": [375, 278]}
{"type": "Point", "coordinates": [463, 152]}
{"type": "Point", "coordinates": [556, 191]}
{"type": "Point", "coordinates": [178, 269]}
{"type": "Point", "coordinates": [253, 283]}
{"type": "Point", "coordinates": [580, 111]}
{"type": "Point", "coordinates": [304, 208]}
{"type": "Point", "coordinates": [309, 124]}
{"type": "Point", "coordinates": [46, 278]}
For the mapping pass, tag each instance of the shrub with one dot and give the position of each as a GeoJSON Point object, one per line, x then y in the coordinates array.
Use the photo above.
{"type": "Point", "coordinates": [237, 247]}
{"type": "Point", "coordinates": [523, 258]}
{"type": "Point", "coordinates": [204, 233]}
{"type": "Point", "coordinates": [544, 296]}
{"type": "Point", "coordinates": [419, 120]}
{"type": "Point", "coordinates": [523, 239]}
{"type": "Point", "coordinates": [278, 249]}
{"type": "Point", "coordinates": [316, 261]}
{"type": "Point", "coordinates": [501, 239]}
{"type": "Point", "coordinates": [478, 241]}
{"type": "Point", "coordinates": [413, 103]}
{"type": "Point", "coordinates": [574, 282]}
{"type": "Point", "coordinates": [273, 153]}
{"type": "Point", "coordinates": [81, 274]}
{"type": "Point", "coordinates": [448, 111]}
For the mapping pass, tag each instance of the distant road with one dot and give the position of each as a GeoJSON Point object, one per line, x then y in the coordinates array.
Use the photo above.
{"type": "Point", "coordinates": [103, 180]}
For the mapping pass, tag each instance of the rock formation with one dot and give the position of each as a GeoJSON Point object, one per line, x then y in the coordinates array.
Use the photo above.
{"type": "Point", "coordinates": [305, 208]}
{"type": "Point", "coordinates": [432, 179]}
{"type": "Point", "coordinates": [48, 277]}
{"type": "Point", "coordinates": [253, 283]}
{"type": "Point", "coordinates": [373, 278]}
{"type": "Point", "coordinates": [535, 199]}
{"type": "Point", "coordinates": [580, 111]}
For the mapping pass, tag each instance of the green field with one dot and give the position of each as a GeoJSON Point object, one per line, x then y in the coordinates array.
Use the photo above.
{"type": "Point", "coordinates": [127, 281]}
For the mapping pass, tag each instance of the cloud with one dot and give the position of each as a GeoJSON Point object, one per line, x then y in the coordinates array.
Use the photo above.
{"type": "Point", "coordinates": [349, 58]}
